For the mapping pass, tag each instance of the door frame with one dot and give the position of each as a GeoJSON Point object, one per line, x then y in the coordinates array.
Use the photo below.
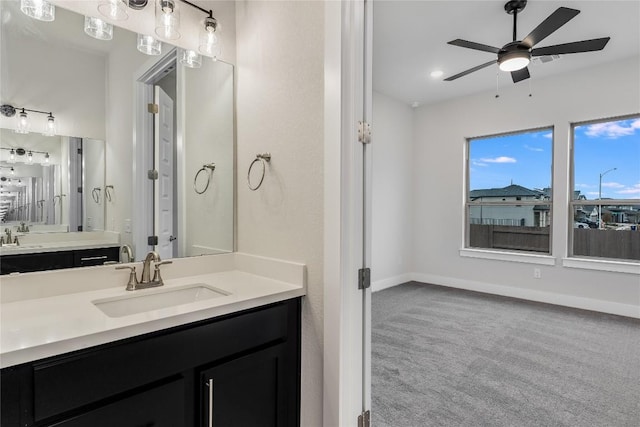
{"type": "Point", "coordinates": [143, 157]}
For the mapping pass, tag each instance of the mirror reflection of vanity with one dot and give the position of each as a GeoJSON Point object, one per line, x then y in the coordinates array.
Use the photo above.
{"type": "Point", "coordinates": [99, 188]}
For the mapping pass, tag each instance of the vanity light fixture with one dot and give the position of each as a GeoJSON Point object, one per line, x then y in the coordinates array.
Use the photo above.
{"type": "Point", "coordinates": [46, 159]}
{"type": "Point", "coordinates": [114, 9]}
{"type": "Point", "coordinates": [41, 10]}
{"type": "Point", "coordinates": [11, 171]}
{"type": "Point", "coordinates": [30, 157]}
{"type": "Point", "coordinates": [23, 119]}
{"type": "Point", "coordinates": [98, 28]}
{"type": "Point", "coordinates": [167, 19]}
{"type": "Point", "coordinates": [149, 45]}
{"type": "Point", "coordinates": [12, 155]}
{"type": "Point", "coordinates": [191, 59]}
{"type": "Point", "coordinates": [208, 39]}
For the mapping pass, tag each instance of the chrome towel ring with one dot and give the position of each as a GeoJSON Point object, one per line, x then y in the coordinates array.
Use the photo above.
{"type": "Point", "coordinates": [208, 168]}
{"type": "Point", "coordinates": [262, 158]}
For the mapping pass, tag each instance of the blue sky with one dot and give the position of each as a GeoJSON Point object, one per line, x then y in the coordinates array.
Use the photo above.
{"type": "Point", "coordinates": [525, 159]}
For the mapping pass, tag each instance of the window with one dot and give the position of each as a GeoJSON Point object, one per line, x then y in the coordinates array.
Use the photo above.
{"type": "Point", "coordinates": [509, 191]}
{"type": "Point", "coordinates": [606, 189]}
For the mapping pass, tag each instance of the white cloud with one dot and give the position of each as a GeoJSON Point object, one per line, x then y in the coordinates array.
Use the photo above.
{"type": "Point", "coordinates": [612, 130]}
{"type": "Point", "coordinates": [530, 148]}
{"type": "Point", "coordinates": [630, 190]}
{"type": "Point", "coordinates": [548, 135]}
{"type": "Point", "coordinates": [501, 159]}
{"type": "Point", "coordinates": [585, 186]}
{"type": "Point", "coordinates": [593, 193]}
{"type": "Point", "coordinates": [612, 185]}
{"type": "Point", "coordinates": [477, 163]}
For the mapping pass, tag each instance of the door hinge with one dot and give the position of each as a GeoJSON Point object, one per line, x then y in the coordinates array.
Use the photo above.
{"type": "Point", "coordinates": [79, 151]}
{"type": "Point", "coordinates": [364, 132]}
{"type": "Point", "coordinates": [153, 108]}
{"type": "Point", "coordinates": [152, 240]}
{"type": "Point", "coordinates": [364, 278]}
{"type": "Point", "coordinates": [152, 174]}
{"type": "Point", "coordinates": [79, 189]}
{"type": "Point", "coordinates": [364, 419]}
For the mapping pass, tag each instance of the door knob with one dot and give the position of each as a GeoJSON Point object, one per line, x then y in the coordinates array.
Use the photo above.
{"type": "Point", "coordinates": [172, 238]}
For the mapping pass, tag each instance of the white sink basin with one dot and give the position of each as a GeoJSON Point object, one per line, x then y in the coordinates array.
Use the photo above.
{"type": "Point", "coordinates": [155, 299]}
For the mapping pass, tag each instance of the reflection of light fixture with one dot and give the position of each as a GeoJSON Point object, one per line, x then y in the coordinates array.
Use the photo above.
{"type": "Point", "coordinates": [46, 158]}
{"type": "Point", "coordinates": [167, 19]}
{"type": "Point", "coordinates": [513, 59]}
{"type": "Point", "coordinates": [191, 59]}
{"type": "Point", "coordinates": [208, 39]}
{"type": "Point", "coordinates": [148, 45]}
{"type": "Point", "coordinates": [97, 28]}
{"type": "Point", "coordinates": [30, 157]}
{"type": "Point", "coordinates": [23, 120]}
{"type": "Point", "coordinates": [41, 10]}
{"type": "Point", "coordinates": [12, 155]}
{"type": "Point", "coordinates": [114, 9]}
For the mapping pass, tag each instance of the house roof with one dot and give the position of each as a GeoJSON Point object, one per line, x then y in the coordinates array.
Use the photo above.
{"type": "Point", "coordinates": [512, 190]}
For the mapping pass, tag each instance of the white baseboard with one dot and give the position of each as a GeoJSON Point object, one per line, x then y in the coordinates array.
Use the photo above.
{"type": "Point", "coordinates": [390, 282]}
{"type": "Point", "coordinates": [628, 310]}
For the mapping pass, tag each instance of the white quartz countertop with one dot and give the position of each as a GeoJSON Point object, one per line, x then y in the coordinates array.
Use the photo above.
{"type": "Point", "coordinates": [35, 328]}
{"type": "Point", "coordinates": [34, 248]}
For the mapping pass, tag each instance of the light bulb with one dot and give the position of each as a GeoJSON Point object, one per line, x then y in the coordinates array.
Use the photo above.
{"type": "Point", "coordinates": [208, 39]}
{"type": "Point", "coordinates": [167, 19]}
{"type": "Point", "coordinates": [114, 9]}
{"type": "Point", "coordinates": [46, 158]}
{"type": "Point", "coordinates": [12, 155]}
{"type": "Point", "coordinates": [149, 45]}
{"type": "Point", "coordinates": [97, 28]}
{"type": "Point", "coordinates": [30, 157]}
{"type": "Point", "coordinates": [41, 10]}
{"type": "Point", "coordinates": [13, 172]}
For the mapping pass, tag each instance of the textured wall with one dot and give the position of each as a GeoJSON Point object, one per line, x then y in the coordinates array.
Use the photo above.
{"type": "Point", "coordinates": [280, 59]}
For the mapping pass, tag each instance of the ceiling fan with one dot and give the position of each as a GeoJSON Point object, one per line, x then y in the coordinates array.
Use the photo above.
{"type": "Point", "coordinates": [514, 56]}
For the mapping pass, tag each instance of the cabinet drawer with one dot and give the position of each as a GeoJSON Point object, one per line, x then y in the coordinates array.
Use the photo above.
{"type": "Point", "coordinates": [99, 256]}
{"type": "Point", "coordinates": [161, 406]}
{"type": "Point", "coordinates": [25, 263]}
{"type": "Point", "coordinates": [67, 382]}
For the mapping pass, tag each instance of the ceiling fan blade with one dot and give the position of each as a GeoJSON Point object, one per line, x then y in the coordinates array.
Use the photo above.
{"type": "Point", "coordinates": [474, 45]}
{"type": "Point", "coordinates": [520, 75]}
{"type": "Point", "coordinates": [574, 47]}
{"type": "Point", "coordinates": [557, 19]}
{"type": "Point", "coordinates": [471, 70]}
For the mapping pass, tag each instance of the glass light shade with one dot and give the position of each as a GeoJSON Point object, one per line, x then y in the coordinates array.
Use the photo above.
{"type": "Point", "coordinates": [167, 19]}
{"type": "Point", "coordinates": [41, 10]}
{"type": "Point", "coordinates": [149, 45]}
{"type": "Point", "coordinates": [208, 40]}
{"type": "Point", "coordinates": [12, 155]}
{"type": "Point", "coordinates": [514, 61]}
{"type": "Point", "coordinates": [191, 59]}
{"type": "Point", "coordinates": [50, 126]}
{"type": "Point", "coordinates": [23, 123]}
{"type": "Point", "coordinates": [97, 28]}
{"type": "Point", "coordinates": [114, 9]}
{"type": "Point", "coordinates": [30, 157]}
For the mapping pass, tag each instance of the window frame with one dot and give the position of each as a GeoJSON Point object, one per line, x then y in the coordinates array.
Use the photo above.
{"type": "Point", "coordinates": [508, 254]}
{"type": "Point", "coordinates": [584, 261]}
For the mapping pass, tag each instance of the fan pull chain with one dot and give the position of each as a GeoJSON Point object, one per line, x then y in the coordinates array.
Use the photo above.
{"type": "Point", "coordinates": [497, 87]}
{"type": "Point", "coordinates": [530, 95]}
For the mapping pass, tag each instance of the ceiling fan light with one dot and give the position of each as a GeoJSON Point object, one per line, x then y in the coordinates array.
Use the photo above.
{"type": "Point", "coordinates": [514, 61]}
{"type": "Point", "coordinates": [41, 10]}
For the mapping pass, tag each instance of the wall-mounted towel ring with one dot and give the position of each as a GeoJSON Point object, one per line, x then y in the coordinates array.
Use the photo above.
{"type": "Point", "coordinates": [107, 192]}
{"type": "Point", "coordinates": [262, 158]}
{"type": "Point", "coordinates": [208, 168]}
{"type": "Point", "coordinates": [95, 194]}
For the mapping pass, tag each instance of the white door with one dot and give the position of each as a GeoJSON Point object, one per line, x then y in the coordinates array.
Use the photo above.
{"type": "Point", "coordinates": [163, 190]}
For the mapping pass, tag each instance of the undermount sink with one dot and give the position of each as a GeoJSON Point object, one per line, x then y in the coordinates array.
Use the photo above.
{"type": "Point", "coordinates": [148, 300]}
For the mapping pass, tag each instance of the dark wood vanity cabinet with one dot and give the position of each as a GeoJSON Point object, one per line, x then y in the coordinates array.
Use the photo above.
{"type": "Point", "coordinates": [25, 263]}
{"type": "Point", "coordinates": [238, 370]}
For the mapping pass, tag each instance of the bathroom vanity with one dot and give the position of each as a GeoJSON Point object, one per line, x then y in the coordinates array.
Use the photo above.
{"type": "Point", "coordinates": [226, 359]}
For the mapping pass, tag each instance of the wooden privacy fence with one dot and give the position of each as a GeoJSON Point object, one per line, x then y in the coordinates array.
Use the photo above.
{"type": "Point", "coordinates": [619, 244]}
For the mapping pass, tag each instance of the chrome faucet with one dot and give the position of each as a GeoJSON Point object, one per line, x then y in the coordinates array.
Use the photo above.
{"type": "Point", "coordinates": [146, 267]}
{"type": "Point", "coordinates": [145, 281]}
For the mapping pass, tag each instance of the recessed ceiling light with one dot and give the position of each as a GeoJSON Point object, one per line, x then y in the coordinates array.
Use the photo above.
{"type": "Point", "coordinates": [415, 104]}
{"type": "Point", "coordinates": [437, 73]}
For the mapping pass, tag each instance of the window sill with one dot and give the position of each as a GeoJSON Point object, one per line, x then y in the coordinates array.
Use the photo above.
{"type": "Point", "coordinates": [629, 267]}
{"type": "Point", "coordinates": [528, 258]}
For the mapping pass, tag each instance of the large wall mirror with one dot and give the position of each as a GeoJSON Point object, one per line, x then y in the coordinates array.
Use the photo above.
{"type": "Point", "coordinates": [116, 168]}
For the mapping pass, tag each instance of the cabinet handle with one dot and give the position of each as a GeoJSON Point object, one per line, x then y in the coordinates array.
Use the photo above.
{"type": "Point", "coordinates": [210, 385]}
{"type": "Point", "coordinates": [93, 258]}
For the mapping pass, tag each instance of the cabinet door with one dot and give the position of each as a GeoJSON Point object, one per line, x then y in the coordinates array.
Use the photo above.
{"type": "Point", "coordinates": [161, 406]}
{"type": "Point", "coordinates": [248, 391]}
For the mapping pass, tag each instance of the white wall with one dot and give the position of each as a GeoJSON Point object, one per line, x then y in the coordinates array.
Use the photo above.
{"type": "Point", "coordinates": [280, 60]}
{"type": "Point", "coordinates": [391, 204]}
{"type": "Point", "coordinates": [439, 168]}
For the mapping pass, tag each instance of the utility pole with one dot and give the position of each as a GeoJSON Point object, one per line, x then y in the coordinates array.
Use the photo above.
{"type": "Point", "coordinates": [600, 197]}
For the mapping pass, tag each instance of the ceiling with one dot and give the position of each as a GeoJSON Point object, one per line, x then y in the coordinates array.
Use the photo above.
{"type": "Point", "coordinates": [410, 41]}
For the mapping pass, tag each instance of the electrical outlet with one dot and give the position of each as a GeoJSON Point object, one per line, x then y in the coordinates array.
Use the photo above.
{"type": "Point", "coordinates": [536, 273]}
